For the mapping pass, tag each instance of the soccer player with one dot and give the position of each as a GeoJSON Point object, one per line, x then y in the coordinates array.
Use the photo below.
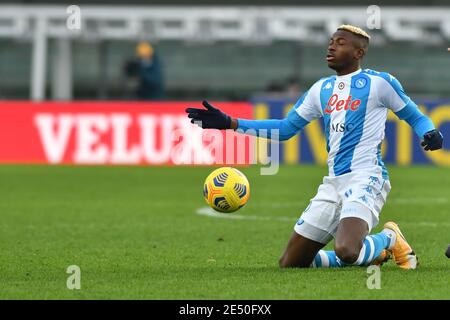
{"type": "Point", "coordinates": [353, 104]}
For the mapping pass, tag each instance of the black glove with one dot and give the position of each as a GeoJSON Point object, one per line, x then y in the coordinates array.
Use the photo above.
{"type": "Point", "coordinates": [432, 140]}
{"type": "Point", "coordinates": [211, 118]}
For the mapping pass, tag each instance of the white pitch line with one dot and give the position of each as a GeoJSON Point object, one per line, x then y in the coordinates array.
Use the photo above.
{"type": "Point", "coordinates": [393, 200]}
{"type": "Point", "coordinates": [208, 212]}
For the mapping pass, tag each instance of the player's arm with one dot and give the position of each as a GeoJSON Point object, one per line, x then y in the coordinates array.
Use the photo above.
{"type": "Point", "coordinates": [432, 139]}
{"type": "Point", "coordinates": [285, 128]}
{"type": "Point", "coordinates": [405, 109]}
{"type": "Point", "coordinates": [213, 118]}
{"type": "Point", "coordinates": [301, 114]}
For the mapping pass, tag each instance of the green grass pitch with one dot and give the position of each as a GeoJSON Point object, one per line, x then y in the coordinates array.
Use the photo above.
{"type": "Point", "coordinates": [136, 233]}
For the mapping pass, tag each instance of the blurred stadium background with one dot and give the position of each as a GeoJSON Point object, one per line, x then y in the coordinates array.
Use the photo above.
{"type": "Point", "coordinates": [264, 55]}
{"type": "Point", "coordinates": [70, 96]}
{"type": "Point", "coordinates": [209, 51]}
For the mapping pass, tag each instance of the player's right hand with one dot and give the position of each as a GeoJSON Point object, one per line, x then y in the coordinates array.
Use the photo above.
{"type": "Point", "coordinates": [209, 118]}
{"type": "Point", "coordinates": [432, 140]}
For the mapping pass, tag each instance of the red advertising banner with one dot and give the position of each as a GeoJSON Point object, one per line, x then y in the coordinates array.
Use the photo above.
{"type": "Point", "coordinates": [154, 133]}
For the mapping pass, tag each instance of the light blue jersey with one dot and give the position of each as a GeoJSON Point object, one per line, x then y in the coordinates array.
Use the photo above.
{"type": "Point", "coordinates": [354, 109]}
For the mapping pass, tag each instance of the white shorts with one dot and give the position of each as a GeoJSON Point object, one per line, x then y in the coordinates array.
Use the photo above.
{"type": "Point", "coordinates": [348, 195]}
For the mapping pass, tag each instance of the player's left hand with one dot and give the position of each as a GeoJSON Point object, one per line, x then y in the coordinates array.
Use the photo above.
{"type": "Point", "coordinates": [432, 140]}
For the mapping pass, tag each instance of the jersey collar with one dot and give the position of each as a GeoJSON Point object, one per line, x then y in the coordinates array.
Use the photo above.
{"type": "Point", "coordinates": [349, 75]}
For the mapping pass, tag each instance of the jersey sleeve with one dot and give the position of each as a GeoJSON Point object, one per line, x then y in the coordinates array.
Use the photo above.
{"type": "Point", "coordinates": [306, 109]}
{"type": "Point", "coordinates": [391, 93]}
{"type": "Point", "coordinates": [394, 97]}
{"type": "Point", "coordinates": [308, 106]}
{"type": "Point", "coordinates": [284, 128]}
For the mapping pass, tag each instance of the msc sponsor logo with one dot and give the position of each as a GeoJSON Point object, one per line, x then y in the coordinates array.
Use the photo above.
{"type": "Point", "coordinates": [342, 127]}
{"type": "Point", "coordinates": [336, 104]}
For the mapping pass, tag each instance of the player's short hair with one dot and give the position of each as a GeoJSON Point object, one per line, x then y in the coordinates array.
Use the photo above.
{"type": "Point", "coordinates": [362, 36]}
{"type": "Point", "coordinates": [355, 30]}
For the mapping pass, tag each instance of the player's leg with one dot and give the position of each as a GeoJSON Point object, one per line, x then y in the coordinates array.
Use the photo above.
{"type": "Point", "coordinates": [352, 244]}
{"type": "Point", "coordinates": [300, 252]}
{"type": "Point", "coordinates": [359, 214]}
{"type": "Point", "coordinates": [307, 239]}
{"type": "Point", "coordinates": [363, 196]}
{"type": "Point", "coordinates": [350, 235]}
{"type": "Point", "coordinates": [314, 229]}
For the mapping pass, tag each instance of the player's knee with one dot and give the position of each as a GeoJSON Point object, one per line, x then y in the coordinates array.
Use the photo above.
{"type": "Point", "coordinates": [348, 254]}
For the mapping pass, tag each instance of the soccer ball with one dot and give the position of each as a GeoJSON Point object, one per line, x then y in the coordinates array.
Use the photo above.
{"type": "Point", "coordinates": [226, 190]}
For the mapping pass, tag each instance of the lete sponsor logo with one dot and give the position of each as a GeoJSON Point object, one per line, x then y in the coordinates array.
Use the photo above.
{"type": "Point", "coordinates": [336, 104]}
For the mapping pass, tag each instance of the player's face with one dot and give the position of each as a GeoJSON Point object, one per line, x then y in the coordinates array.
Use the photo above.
{"type": "Point", "coordinates": [343, 51]}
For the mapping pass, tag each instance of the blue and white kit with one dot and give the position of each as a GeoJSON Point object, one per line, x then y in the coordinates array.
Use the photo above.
{"type": "Point", "coordinates": [354, 109]}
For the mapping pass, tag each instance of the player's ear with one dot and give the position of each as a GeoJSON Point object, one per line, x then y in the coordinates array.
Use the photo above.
{"type": "Point", "coordinates": [360, 53]}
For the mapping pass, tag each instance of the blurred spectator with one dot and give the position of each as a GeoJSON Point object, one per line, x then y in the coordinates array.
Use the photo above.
{"type": "Point", "coordinates": [293, 88]}
{"type": "Point", "coordinates": [274, 89]}
{"type": "Point", "coordinates": [146, 70]}
{"type": "Point", "coordinates": [290, 88]}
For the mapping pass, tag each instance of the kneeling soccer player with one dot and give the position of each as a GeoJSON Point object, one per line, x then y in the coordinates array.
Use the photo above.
{"type": "Point", "coordinates": [353, 104]}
